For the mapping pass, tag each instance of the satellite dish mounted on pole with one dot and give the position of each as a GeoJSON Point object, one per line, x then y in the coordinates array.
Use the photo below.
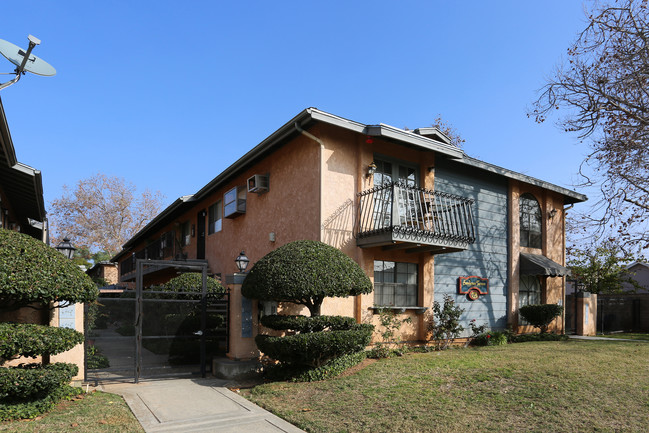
{"type": "Point", "coordinates": [24, 60]}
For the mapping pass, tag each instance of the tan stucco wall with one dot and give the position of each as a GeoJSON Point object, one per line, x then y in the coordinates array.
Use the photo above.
{"type": "Point", "coordinates": [553, 247]}
{"type": "Point", "coordinates": [74, 355]}
{"type": "Point", "coordinates": [346, 158]}
{"type": "Point", "coordinates": [587, 315]}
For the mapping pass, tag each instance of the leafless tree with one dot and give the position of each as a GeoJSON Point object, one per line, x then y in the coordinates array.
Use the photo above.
{"type": "Point", "coordinates": [449, 130]}
{"type": "Point", "coordinates": [103, 212]}
{"type": "Point", "coordinates": [603, 89]}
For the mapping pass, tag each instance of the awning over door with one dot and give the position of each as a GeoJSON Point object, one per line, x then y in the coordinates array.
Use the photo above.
{"type": "Point", "coordinates": [536, 264]}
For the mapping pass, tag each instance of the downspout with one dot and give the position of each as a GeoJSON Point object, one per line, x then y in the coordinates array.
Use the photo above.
{"type": "Point", "coordinates": [319, 141]}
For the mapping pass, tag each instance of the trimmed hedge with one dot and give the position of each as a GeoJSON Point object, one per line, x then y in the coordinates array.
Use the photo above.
{"type": "Point", "coordinates": [305, 272]}
{"type": "Point", "coordinates": [193, 282]}
{"type": "Point", "coordinates": [30, 271]}
{"type": "Point", "coordinates": [307, 324]}
{"type": "Point", "coordinates": [315, 349]}
{"type": "Point", "coordinates": [301, 373]}
{"type": "Point", "coordinates": [34, 340]}
{"type": "Point", "coordinates": [34, 381]}
{"type": "Point", "coordinates": [540, 315]}
{"type": "Point", "coordinates": [11, 409]}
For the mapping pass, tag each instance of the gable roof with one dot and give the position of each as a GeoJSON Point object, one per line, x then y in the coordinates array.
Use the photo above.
{"type": "Point", "coordinates": [418, 139]}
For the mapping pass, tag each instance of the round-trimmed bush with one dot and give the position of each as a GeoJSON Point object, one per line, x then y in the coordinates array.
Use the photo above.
{"type": "Point", "coordinates": [30, 272]}
{"type": "Point", "coordinates": [305, 272]}
{"type": "Point", "coordinates": [315, 348]}
{"type": "Point", "coordinates": [193, 282]}
{"type": "Point", "coordinates": [34, 380]}
{"type": "Point", "coordinates": [307, 324]}
{"type": "Point", "coordinates": [33, 340]}
{"type": "Point", "coordinates": [540, 315]}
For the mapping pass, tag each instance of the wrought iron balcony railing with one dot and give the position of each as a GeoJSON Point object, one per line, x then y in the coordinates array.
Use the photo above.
{"type": "Point", "coordinates": [397, 212]}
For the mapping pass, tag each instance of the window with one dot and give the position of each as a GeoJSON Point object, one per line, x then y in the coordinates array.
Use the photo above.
{"type": "Point", "coordinates": [215, 218]}
{"type": "Point", "coordinates": [395, 284]}
{"type": "Point", "coordinates": [184, 234]}
{"type": "Point", "coordinates": [529, 293]}
{"type": "Point", "coordinates": [234, 202]}
{"type": "Point", "coordinates": [530, 219]}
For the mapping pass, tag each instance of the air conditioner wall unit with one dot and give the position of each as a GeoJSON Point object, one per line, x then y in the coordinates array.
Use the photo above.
{"type": "Point", "coordinates": [258, 183]}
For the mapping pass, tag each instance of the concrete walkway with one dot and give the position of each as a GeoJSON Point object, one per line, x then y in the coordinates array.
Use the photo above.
{"type": "Point", "coordinates": [195, 405]}
{"type": "Point", "coordinates": [586, 337]}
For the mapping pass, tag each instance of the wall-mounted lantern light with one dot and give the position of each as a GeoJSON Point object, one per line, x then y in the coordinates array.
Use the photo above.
{"type": "Point", "coordinates": [371, 169]}
{"type": "Point", "coordinates": [242, 262]}
{"type": "Point", "coordinates": [65, 247]}
{"type": "Point", "coordinates": [552, 213]}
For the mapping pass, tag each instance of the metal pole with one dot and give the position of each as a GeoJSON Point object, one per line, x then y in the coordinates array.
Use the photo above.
{"type": "Point", "coordinates": [139, 264]}
{"type": "Point", "coordinates": [203, 320]}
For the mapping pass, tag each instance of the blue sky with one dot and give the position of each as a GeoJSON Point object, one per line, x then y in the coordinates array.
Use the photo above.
{"type": "Point", "coordinates": [168, 94]}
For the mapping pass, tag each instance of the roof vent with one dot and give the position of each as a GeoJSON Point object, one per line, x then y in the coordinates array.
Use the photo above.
{"type": "Point", "coordinates": [433, 133]}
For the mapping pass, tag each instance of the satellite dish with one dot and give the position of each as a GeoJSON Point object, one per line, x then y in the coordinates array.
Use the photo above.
{"type": "Point", "coordinates": [24, 60]}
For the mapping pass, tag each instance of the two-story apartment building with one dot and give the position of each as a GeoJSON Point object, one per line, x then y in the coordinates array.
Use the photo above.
{"type": "Point", "coordinates": [421, 218]}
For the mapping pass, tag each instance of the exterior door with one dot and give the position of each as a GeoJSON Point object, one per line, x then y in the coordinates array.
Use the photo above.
{"type": "Point", "coordinates": [200, 235]}
{"type": "Point", "coordinates": [389, 171]}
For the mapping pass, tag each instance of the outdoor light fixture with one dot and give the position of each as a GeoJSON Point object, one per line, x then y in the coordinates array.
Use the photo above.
{"type": "Point", "coordinates": [553, 212]}
{"type": "Point", "coordinates": [371, 169]}
{"type": "Point", "coordinates": [242, 262]}
{"type": "Point", "coordinates": [65, 247]}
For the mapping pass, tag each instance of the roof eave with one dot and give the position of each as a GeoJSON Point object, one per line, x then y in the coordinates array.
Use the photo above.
{"type": "Point", "coordinates": [416, 140]}
{"type": "Point", "coordinates": [570, 196]}
{"type": "Point", "coordinates": [169, 210]}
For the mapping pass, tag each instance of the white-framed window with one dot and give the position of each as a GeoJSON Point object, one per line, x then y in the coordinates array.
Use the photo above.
{"type": "Point", "coordinates": [529, 292]}
{"type": "Point", "coordinates": [234, 202]}
{"type": "Point", "coordinates": [395, 284]}
{"type": "Point", "coordinates": [530, 221]}
{"type": "Point", "coordinates": [215, 217]}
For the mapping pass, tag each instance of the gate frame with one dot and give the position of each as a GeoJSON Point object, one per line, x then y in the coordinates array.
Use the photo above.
{"type": "Point", "coordinates": [139, 313]}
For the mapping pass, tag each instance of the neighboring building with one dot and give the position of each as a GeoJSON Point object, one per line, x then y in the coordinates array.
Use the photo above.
{"type": "Point", "coordinates": [417, 214]}
{"type": "Point", "coordinates": [22, 206]}
{"type": "Point", "coordinates": [22, 209]}
{"type": "Point", "coordinates": [639, 271]}
{"type": "Point", "coordinates": [106, 271]}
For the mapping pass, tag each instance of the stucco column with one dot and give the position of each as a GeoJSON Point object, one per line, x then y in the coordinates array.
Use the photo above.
{"type": "Point", "coordinates": [586, 320]}
{"type": "Point", "coordinates": [243, 318]}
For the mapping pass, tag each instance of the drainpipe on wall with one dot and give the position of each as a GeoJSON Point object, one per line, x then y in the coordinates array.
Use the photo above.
{"type": "Point", "coordinates": [319, 141]}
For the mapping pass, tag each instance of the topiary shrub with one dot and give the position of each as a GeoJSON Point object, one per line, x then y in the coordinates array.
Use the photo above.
{"type": "Point", "coordinates": [315, 349]}
{"type": "Point", "coordinates": [22, 339]}
{"type": "Point", "coordinates": [307, 324]}
{"type": "Point", "coordinates": [35, 275]}
{"type": "Point", "coordinates": [305, 272]}
{"type": "Point", "coordinates": [34, 380]}
{"type": "Point", "coordinates": [540, 315]}
{"type": "Point", "coordinates": [193, 282]}
{"type": "Point", "coordinates": [31, 272]}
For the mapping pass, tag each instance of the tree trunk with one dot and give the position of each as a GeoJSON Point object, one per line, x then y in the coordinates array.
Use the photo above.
{"type": "Point", "coordinates": [314, 308]}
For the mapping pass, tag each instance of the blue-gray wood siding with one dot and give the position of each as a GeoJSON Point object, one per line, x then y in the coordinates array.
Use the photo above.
{"type": "Point", "coordinates": [488, 256]}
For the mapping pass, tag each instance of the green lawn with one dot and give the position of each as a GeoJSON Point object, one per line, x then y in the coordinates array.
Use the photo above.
{"type": "Point", "coordinates": [96, 412]}
{"type": "Point", "coordinates": [537, 386]}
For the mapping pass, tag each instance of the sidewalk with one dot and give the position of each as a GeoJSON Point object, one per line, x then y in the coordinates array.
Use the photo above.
{"type": "Point", "coordinates": [585, 337]}
{"type": "Point", "coordinates": [195, 405]}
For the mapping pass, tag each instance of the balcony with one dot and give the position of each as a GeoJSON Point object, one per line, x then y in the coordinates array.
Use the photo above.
{"type": "Point", "coordinates": [167, 247]}
{"type": "Point", "coordinates": [397, 216]}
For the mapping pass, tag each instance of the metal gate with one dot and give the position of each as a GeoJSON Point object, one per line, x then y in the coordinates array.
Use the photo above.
{"type": "Point", "coordinates": [155, 331]}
